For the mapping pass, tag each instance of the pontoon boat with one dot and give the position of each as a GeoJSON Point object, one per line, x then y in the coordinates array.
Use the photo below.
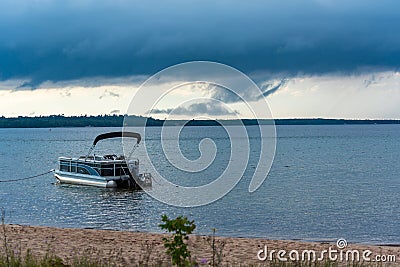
{"type": "Point", "coordinates": [103, 171]}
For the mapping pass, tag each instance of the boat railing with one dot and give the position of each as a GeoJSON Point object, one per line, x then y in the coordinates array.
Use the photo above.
{"type": "Point", "coordinates": [100, 167]}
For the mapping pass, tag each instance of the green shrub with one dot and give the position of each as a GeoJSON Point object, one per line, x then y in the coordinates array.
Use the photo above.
{"type": "Point", "coordinates": [176, 246]}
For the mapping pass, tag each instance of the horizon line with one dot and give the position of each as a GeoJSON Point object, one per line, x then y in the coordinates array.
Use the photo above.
{"type": "Point", "coordinates": [233, 119]}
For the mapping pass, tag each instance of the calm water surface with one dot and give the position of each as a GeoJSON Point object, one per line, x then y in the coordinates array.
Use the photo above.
{"type": "Point", "coordinates": [326, 182]}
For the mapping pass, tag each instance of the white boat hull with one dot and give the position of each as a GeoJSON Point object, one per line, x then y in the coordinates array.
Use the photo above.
{"type": "Point", "coordinates": [83, 179]}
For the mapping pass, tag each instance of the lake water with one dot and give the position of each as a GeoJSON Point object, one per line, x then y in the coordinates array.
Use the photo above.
{"type": "Point", "coordinates": [326, 182]}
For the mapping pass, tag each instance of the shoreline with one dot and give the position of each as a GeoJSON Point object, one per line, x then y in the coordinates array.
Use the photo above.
{"type": "Point", "coordinates": [123, 248]}
{"type": "Point", "coordinates": [56, 121]}
{"type": "Point", "coordinates": [283, 239]}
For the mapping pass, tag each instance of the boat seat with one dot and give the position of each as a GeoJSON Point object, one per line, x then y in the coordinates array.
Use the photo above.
{"type": "Point", "coordinates": [111, 156]}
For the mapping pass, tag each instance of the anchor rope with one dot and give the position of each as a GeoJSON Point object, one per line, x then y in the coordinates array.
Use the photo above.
{"type": "Point", "coordinates": [26, 178]}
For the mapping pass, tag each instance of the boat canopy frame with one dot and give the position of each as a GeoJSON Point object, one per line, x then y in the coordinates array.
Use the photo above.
{"type": "Point", "coordinates": [114, 135]}
{"type": "Point", "coordinates": [117, 134]}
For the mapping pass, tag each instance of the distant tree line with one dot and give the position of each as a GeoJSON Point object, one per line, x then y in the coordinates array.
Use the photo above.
{"type": "Point", "coordinates": [60, 121]}
{"type": "Point", "coordinates": [118, 120]}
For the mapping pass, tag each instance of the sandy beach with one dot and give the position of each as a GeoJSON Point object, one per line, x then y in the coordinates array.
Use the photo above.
{"type": "Point", "coordinates": [134, 248]}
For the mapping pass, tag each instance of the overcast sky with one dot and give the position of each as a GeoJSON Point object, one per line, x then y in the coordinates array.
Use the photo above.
{"type": "Point", "coordinates": [319, 58]}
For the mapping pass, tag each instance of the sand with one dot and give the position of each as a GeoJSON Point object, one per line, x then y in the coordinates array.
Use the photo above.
{"type": "Point", "coordinates": [133, 248]}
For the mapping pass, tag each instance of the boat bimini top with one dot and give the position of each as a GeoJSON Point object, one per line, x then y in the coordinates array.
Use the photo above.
{"type": "Point", "coordinates": [114, 135]}
{"type": "Point", "coordinates": [117, 134]}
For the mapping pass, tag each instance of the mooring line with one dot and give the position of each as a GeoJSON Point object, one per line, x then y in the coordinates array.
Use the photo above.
{"type": "Point", "coordinates": [26, 178]}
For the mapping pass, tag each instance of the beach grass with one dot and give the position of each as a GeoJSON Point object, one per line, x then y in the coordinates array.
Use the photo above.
{"type": "Point", "coordinates": [22, 257]}
{"type": "Point", "coordinates": [27, 246]}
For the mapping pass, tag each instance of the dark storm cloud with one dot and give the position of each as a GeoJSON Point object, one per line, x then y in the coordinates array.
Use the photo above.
{"type": "Point", "coordinates": [270, 88]}
{"type": "Point", "coordinates": [71, 40]}
{"type": "Point", "coordinates": [267, 88]}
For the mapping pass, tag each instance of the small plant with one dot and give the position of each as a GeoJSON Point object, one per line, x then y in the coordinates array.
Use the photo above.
{"type": "Point", "coordinates": [176, 246]}
{"type": "Point", "coordinates": [217, 248]}
{"type": "Point", "coordinates": [3, 225]}
{"type": "Point", "coordinates": [147, 249]}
